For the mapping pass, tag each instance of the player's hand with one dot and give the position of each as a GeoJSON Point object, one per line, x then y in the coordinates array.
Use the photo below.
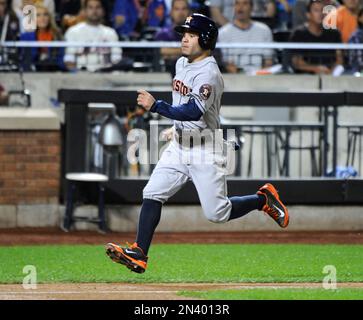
{"type": "Point", "coordinates": [145, 99]}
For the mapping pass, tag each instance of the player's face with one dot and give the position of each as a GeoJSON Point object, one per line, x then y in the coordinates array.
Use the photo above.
{"type": "Point", "coordinates": [190, 47]}
{"type": "Point", "coordinates": [315, 15]}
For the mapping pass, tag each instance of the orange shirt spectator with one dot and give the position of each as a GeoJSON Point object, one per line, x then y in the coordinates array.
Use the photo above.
{"type": "Point", "coordinates": [346, 18]}
{"type": "Point", "coordinates": [346, 23]}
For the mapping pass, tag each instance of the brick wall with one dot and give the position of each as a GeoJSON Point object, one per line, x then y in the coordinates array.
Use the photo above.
{"type": "Point", "coordinates": [29, 167]}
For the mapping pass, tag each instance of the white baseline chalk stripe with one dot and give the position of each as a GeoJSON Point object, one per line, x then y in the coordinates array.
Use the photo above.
{"type": "Point", "coordinates": [30, 292]}
{"type": "Point", "coordinates": [36, 292]}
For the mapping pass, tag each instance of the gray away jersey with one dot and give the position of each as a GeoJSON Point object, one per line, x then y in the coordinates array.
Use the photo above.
{"type": "Point", "coordinates": [201, 80]}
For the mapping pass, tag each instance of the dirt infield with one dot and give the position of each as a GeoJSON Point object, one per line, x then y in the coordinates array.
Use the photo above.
{"type": "Point", "coordinates": [38, 236]}
{"type": "Point", "coordinates": [122, 291]}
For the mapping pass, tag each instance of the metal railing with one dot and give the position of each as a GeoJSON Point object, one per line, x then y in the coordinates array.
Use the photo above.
{"type": "Point", "coordinates": [148, 53]}
{"type": "Point", "coordinates": [290, 149]}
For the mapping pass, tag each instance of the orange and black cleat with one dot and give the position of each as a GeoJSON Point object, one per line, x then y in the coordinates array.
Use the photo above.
{"type": "Point", "coordinates": [274, 206]}
{"type": "Point", "coordinates": [132, 257]}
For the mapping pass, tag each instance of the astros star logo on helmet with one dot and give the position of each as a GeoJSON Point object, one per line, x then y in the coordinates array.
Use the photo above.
{"type": "Point", "coordinates": [188, 19]}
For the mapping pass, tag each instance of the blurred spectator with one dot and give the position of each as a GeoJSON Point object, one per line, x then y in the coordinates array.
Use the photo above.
{"type": "Point", "coordinates": [4, 96]}
{"type": "Point", "coordinates": [130, 17]}
{"type": "Point", "coordinates": [244, 30]}
{"type": "Point", "coordinates": [9, 31]}
{"type": "Point", "coordinates": [355, 57]}
{"type": "Point", "coordinates": [156, 13]}
{"type": "Point", "coordinates": [92, 30]}
{"type": "Point", "coordinates": [124, 17]}
{"type": "Point", "coordinates": [346, 18]}
{"type": "Point", "coordinates": [299, 11]}
{"type": "Point", "coordinates": [315, 61]}
{"type": "Point", "coordinates": [18, 6]}
{"type": "Point", "coordinates": [168, 5]}
{"type": "Point", "coordinates": [263, 9]}
{"type": "Point", "coordinates": [9, 23]}
{"type": "Point", "coordinates": [284, 8]}
{"type": "Point", "coordinates": [179, 12]}
{"type": "Point", "coordinates": [222, 11]}
{"type": "Point", "coordinates": [43, 59]}
{"type": "Point", "coordinates": [71, 12]}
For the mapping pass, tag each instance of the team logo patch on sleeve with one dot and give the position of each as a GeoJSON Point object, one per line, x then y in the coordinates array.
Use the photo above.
{"type": "Point", "coordinates": [205, 91]}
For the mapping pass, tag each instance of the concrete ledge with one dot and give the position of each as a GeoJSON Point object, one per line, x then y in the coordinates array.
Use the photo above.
{"type": "Point", "coordinates": [28, 119]}
{"type": "Point", "coordinates": [7, 216]}
{"type": "Point", "coordinates": [46, 215]}
{"type": "Point", "coordinates": [86, 211]}
{"type": "Point", "coordinates": [123, 218]}
{"type": "Point", "coordinates": [191, 218]}
{"type": "Point", "coordinates": [185, 218]}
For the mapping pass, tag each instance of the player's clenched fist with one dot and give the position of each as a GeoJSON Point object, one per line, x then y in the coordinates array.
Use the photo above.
{"type": "Point", "coordinates": [145, 99]}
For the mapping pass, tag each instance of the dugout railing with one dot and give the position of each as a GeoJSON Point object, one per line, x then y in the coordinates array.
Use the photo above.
{"type": "Point", "coordinates": [275, 147]}
{"type": "Point", "coordinates": [315, 190]}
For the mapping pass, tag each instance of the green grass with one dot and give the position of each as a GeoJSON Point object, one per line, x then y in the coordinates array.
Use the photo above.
{"type": "Point", "coordinates": [278, 294]}
{"type": "Point", "coordinates": [186, 263]}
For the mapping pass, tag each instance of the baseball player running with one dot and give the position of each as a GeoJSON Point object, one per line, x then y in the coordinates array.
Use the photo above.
{"type": "Point", "coordinates": [197, 91]}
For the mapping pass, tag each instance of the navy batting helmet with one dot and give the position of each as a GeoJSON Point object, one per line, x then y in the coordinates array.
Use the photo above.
{"type": "Point", "coordinates": [205, 27]}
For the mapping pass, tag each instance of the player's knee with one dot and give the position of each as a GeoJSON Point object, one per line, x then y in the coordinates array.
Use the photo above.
{"type": "Point", "coordinates": [219, 215]}
{"type": "Point", "coordinates": [148, 194]}
{"type": "Point", "coordinates": [216, 219]}
{"type": "Point", "coordinates": [155, 197]}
